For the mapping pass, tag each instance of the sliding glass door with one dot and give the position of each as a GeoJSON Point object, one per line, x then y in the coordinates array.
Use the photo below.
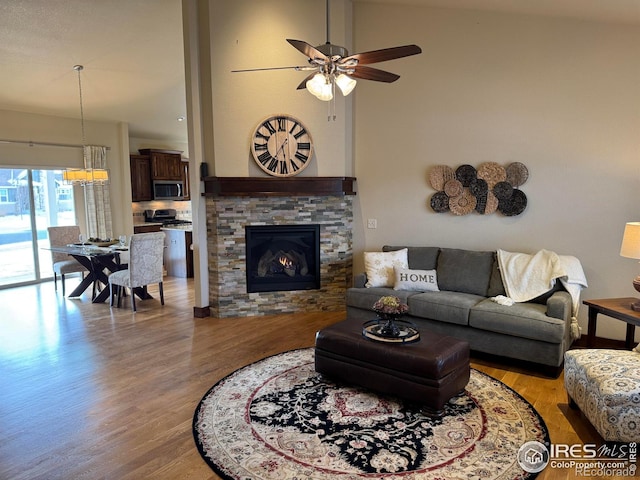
{"type": "Point", "coordinates": [30, 201]}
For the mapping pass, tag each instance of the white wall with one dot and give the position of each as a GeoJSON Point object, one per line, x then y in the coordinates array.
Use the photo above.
{"type": "Point", "coordinates": [249, 34]}
{"type": "Point", "coordinates": [560, 96]}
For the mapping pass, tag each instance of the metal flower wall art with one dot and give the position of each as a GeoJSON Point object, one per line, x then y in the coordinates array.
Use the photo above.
{"type": "Point", "coordinates": [487, 189]}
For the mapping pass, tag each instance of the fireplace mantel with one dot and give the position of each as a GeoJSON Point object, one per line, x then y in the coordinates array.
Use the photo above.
{"type": "Point", "coordinates": [274, 187]}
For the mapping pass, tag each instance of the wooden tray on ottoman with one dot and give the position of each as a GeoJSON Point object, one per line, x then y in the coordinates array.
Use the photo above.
{"type": "Point", "coordinates": [428, 372]}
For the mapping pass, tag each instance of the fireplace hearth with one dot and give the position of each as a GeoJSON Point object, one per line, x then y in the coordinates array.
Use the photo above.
{"type": "Point", "coordinates": [282, 257]}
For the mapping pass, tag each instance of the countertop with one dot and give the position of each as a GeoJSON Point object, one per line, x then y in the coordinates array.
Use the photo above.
{"type": "Point", "coordinates": [142, 224]}
{"type": "Point", "coordinates": [185, 228]}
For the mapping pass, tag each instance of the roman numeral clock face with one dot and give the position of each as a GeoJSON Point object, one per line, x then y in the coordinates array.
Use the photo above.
{"type": "Point", "coordinates": [282, 146]}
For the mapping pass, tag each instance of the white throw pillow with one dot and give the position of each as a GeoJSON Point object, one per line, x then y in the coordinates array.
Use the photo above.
{"type": "Point", "coordinates": [379, 267]}
{"type": "Point", "coordinates": [416, 280]}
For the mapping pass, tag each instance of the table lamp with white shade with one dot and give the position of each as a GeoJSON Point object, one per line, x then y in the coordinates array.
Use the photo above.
{"type": "Point", "coordinates": [631, 249]}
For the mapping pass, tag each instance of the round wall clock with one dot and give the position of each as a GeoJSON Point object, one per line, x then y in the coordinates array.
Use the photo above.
{"type": "Point", "coordinates": [282, 146]}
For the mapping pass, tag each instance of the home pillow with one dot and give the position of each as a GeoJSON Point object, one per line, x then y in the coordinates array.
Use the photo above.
{"type": "Point", "coordinates": [379, 267]}
{"type": "Point", "coordinates": [416, 280]}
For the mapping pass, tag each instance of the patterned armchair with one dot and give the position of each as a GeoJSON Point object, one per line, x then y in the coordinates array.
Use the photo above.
{"type": "Point", "coordinates": [63, 263]}
{"type": "Point", "coordinates": [145, 266]}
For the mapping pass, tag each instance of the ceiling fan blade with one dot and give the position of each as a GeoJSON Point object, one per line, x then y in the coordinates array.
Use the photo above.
{"type": "Point", "coordinates": [310, 51]}
{"type": "Point", "coordinates": [375, 74]}
{"type": "Point", "coordinates": [303, 84]}
{"type": "Point", "coordinates": [382, 55]}
{"type": "Point", "coordinates": [297, 68]}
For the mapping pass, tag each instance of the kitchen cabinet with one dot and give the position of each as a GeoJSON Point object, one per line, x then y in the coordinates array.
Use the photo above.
{"type": "Point", "coordinates": [152, 227]}
{"type": "Point", "coordinates": [141, 187]}
{"type": "Point", "coordinates": [178, 256]}
{"type": "Point", "coordinates": [153, 165]}
{"type": "Point", "coordinates": [165, 164]}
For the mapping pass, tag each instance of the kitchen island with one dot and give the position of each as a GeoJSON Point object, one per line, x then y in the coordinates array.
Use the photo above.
{"type": "Point", "coordinates": [178, 255]}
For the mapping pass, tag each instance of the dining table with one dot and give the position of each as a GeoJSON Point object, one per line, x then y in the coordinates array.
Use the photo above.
{"type": "Point", "coordinates": [99, 261]}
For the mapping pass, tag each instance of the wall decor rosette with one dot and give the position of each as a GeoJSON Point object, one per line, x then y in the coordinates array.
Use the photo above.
{"type": "Point", "coordinates": [487, 189]}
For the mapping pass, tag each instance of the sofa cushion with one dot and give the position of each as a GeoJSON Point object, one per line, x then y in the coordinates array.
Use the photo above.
{"type": "Point", "coordinates": [420, 258]}
{"type": "Point", "coordinates": [496, 287]}
{"type": "Point", "coordinates": [464, 271]}
{"type": "Point", "coordinates": [416, 280]}
{"type": "Point", "coordinates": [526, 320]}
{"type": "Point", "coordinates": [448, 307]}
{"type": "Point", "coordinates": [379, 267]}
{"type": "Point", "coordinates": [365, 297]}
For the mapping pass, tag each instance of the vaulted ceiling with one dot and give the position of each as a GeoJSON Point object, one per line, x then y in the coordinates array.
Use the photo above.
{"type": "Point", "coordinates": [131, 50]}
{"type": "Point", "coordinates": [132, 54]}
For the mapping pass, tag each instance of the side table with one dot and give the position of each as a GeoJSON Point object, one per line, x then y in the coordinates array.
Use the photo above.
{"type": "Point", "coordinates": [619, 308]}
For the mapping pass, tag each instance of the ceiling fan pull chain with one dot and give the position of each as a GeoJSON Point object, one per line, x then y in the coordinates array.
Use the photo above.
{"type": "Point", "coordinates": [331, 104]}
{"type": "Point", "coordinates": [333, 101]}
{"type": "Point", "coordinates": [329, 110]}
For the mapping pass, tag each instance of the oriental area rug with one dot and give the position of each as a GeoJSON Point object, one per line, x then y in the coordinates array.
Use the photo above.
{"type": "Point", "coordinates": [278, 419]}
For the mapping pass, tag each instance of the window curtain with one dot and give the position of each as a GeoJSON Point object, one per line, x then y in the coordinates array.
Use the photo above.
{"type": "Point", "coordinates": [96, 196]}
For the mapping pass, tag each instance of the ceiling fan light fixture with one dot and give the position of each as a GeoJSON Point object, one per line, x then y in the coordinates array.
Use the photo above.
{"type": "Point", "coordinates": [320, 86]}
{"type": "Point", "coordinates": [345, 83]}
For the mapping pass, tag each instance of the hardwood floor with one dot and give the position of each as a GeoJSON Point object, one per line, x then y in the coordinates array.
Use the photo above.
{"type": "Point", "coordinates": [91, 392]}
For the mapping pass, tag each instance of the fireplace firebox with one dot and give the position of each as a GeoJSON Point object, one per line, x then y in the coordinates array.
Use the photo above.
{"type": "Point", "coordinates": [282, 257]}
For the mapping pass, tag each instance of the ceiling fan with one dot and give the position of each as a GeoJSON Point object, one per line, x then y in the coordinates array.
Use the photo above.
{"type": "Point", "coordinates": [331, 65]}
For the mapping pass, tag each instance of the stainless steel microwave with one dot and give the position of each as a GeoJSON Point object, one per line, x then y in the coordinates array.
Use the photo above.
{"type": "Point", "coordinates": [168, 190]}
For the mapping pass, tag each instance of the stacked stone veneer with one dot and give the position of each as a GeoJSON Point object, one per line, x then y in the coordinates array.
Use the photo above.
{"type": "Point", "coordinates": [226, 221]}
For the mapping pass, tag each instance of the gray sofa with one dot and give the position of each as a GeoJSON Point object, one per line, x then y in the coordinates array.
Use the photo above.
{"type": "Point", "coordinates": [537, 331]}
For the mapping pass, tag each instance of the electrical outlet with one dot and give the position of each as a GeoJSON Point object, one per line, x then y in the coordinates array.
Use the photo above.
{"type": "Point", "coordinates": [372, 223]}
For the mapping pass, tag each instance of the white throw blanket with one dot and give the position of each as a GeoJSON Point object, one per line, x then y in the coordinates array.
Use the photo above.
{"type": "Point", "coordinates": [527, 276]}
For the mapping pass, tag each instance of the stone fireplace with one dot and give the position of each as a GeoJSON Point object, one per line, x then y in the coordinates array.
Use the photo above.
{"type": "Point", "coordinates": [231, 211]}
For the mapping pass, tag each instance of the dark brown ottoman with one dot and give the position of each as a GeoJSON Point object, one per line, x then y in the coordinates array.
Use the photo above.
{"type": "Point", "coordinates": [428, 372]}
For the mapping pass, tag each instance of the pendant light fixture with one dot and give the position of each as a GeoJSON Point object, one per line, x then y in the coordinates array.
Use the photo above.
{"type": "Point", "coordinates": [85, 175]}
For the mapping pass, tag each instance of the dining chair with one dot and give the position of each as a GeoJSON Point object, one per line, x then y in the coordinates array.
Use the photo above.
{"type": "Point", "coordinates": [63, 264]}
{"type": "Point", "coordinates": [145, 267]}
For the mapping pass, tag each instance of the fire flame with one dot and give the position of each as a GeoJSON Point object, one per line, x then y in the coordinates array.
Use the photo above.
{"type": "Point", "coordinates": [285, 262]}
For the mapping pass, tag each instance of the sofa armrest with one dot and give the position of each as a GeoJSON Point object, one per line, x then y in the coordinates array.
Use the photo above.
{"type": "Point", "coordinates": [360, 280]}
{"type": "Point", "coordinates": [559, 305]}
